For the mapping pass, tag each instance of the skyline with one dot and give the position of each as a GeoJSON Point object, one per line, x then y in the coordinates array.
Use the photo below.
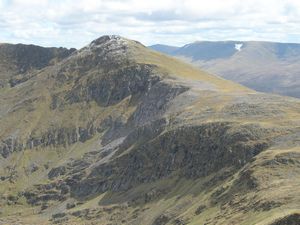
{"type": "Point", "coordinates": [75, 23]}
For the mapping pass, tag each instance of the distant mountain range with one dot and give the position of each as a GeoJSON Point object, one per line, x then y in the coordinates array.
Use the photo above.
{"type": "Point", "coordinates": [263, 66]}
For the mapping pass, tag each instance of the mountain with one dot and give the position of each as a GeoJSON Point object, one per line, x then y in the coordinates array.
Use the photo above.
{"type": "Point", "coordinates": [263, 66]}
{"type": "Point", "coordinates": [19, 62]}
{"type": "Point", "coordinates": [167, 49]}
{"type": "Point", "coordinates": [116, 133]}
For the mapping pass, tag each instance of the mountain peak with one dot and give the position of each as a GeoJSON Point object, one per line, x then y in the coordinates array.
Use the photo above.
{"type": "Point", "coordinates": [107, 38]}
{"type": "Point", "coordinates": [108, 45]}
{"type": "Point", "coordinates": [110, 42]}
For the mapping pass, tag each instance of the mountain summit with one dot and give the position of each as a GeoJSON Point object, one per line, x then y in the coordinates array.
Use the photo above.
{"type": "Point", "coordinates": [116, 133]}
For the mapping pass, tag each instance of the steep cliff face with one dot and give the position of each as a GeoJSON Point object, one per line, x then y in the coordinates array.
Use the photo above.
{"type": "Point", "coordinates": [116, 133]}
{"type": "Point", "coordinates": [191, 152]}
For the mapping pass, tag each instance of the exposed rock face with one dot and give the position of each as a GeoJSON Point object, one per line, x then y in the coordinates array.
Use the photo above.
{"type": "Point", "coordinates": [192, 151]}
{"type": "Point", "coordinates": [114, 87]}
{"type": "Point", "coordinates": [8, 146]}
{"type": "Point", "coordinates": [292, 219]}
{"type": "Point", "coordinates": [155, 102]}
{"type": "Point", "coordinates": [55, 172]}
{"type": "Point", "coordinates": [115, 133]}
{"type": "Point", "coordinates": [58, 137]}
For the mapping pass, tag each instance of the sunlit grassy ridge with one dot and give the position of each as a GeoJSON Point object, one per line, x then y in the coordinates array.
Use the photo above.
{"type": "Point", "coordinates": [177, 68]}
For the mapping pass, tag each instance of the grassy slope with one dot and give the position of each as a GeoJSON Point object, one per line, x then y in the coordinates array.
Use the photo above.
{"type": "Point", "coordinates": [179, 69]}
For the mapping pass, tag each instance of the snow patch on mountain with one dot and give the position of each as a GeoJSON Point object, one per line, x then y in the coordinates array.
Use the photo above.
{"type": "Point", "coordinates": [238, 46]}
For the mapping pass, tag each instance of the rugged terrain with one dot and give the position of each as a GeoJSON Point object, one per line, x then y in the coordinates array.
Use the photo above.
{"type": "Point", "coordinates": [19, 63]}
{"type": "Point", "coordinates": [263, 66]}
{"type": "Point", "coordinates": [116, 133]}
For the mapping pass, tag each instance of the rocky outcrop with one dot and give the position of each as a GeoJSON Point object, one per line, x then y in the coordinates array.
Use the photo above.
{"type": "Point", "coordinates": [292, 219]}
{"type": "Point", "coordinates": [42, 194]}
{"type": "Point", "coordinates": [155, 102]}
{"type": "Point", "coordinates": [55, 172]}
{"type": "Point", "coordinates": [53, 137]}
{"type": "Point", "coordinates": [10, 145]}
{"type": "Point", "coordinates": [111, 88]}
{"type": "Point", "coordinates": [193, 151]}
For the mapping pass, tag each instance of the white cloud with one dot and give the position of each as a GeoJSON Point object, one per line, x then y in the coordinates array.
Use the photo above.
{"type": "Point", "coordinates": [73, 23]}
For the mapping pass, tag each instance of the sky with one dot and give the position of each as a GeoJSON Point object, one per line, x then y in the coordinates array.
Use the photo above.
{"type": "Point", "coordinates": [75, 23]}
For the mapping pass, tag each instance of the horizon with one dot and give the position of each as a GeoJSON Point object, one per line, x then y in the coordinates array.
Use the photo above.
{"type": "Point", "coordinates": [53, 23]}
{"type": "Point", "coordinates": [154, 44]}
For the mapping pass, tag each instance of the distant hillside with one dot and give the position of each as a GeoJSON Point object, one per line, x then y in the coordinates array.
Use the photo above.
{"type": "Point", "coordinates": [263, 66]}
{"type": "Point", "coordinates": [167, 49]}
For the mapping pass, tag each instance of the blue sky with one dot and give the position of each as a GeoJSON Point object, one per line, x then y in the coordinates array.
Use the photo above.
{"type": "Point", "coordinates": [74, 23]}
